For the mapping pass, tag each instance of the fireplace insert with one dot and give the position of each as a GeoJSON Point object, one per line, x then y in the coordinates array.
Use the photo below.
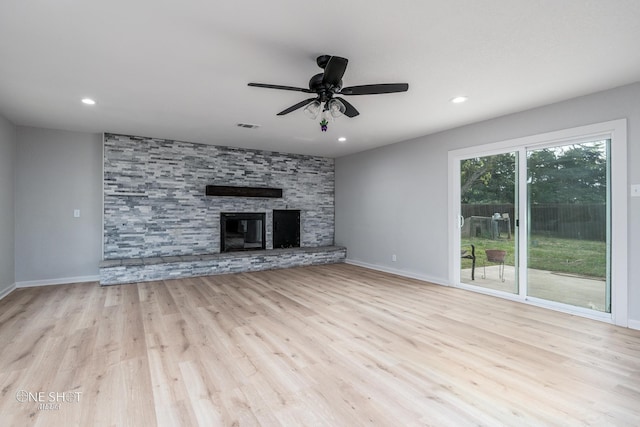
{"type": "Point", "coordinates": [242, 231]}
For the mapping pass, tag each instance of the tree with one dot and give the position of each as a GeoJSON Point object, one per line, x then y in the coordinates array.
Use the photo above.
{"type": "Point", "coordinates": [487, 180]}
{"type": "Point", "coordinates": [568, 174]}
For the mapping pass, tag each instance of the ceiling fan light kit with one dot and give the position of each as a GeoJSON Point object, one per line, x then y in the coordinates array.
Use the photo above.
{"type": "Point", "coordinates": [313, 109]}
{"type": "Point", "coordinates": [328, 84]}
{"type": "Point", "coordinates": [336, 108]}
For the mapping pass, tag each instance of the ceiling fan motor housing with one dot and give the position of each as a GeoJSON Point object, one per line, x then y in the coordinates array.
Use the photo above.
{"type": "Point", "coordinates": [324, 91]}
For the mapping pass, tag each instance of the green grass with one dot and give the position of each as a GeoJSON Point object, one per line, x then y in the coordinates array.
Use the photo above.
{"type": "Point", "coordinates": [581, 257]}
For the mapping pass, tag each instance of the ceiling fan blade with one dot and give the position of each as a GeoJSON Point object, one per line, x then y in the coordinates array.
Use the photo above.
{"type": "Point", "coordinates": [334, 70]}
{"type": "Point", "coordinates": [375, 89]}
{"type": "Point", "coordinates": [350, 109]}
{"type": "Point", "coordinates": [269, 86]}
{"type": "Point", "coordinates": [295, 107]}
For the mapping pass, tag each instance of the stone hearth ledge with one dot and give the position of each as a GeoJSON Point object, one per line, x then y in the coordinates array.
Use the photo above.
{"type": "Point", "coordinates": [132, 270]}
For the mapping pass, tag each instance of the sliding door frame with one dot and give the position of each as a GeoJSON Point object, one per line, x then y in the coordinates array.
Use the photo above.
{"type": "Point", "coordinates": [616, 131]}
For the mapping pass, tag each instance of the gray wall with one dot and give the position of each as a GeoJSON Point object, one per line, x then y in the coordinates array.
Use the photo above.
{"type": "Point", "coordinates": [154, 201]}
{"type": "Point", "coordinates": [7, 216]}
{"type": "Point", "coordinates": [394, 199]}
{"type": "Point", "coordinates": [57, 172]}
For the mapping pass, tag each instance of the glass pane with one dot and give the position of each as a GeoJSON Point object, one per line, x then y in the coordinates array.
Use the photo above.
{"type": "Point", "coordinates": [568, 224]}
{"type": "Point", "coordinates": [488, 211]}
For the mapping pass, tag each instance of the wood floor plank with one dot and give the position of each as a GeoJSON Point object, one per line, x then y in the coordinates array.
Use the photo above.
{"type": "Point", "coordinates": [334, 345]}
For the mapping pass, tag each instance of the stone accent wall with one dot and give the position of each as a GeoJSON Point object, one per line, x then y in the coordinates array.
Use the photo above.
{"type": "Point", "coordinates": [155, 203]}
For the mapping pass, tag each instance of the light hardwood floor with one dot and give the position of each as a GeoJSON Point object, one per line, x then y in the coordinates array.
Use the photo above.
{"type": "Point", "coordinates": [331, 345]}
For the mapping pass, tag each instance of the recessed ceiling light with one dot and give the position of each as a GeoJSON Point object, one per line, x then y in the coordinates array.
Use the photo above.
{"type": "Point", "coordinates": [342, 139]}
{"type": "Point", "coordinates": [459, 99]}
{"type": "Point", "coordinates": [88, 101]}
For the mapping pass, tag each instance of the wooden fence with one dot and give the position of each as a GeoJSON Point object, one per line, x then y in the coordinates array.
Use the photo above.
{"type": "Point", "coordinates": [580, 221]}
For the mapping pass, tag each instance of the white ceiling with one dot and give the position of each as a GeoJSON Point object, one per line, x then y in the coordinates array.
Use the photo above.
{"type": "Point", "coordinates": [179, 69]}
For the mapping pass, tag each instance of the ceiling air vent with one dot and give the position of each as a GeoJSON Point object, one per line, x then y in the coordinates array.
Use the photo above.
{"type": "Point", "coordinates": [247, 125]}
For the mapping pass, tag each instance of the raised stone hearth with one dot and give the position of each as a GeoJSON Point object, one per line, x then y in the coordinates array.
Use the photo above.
{"type": "Point", "coordinates": [119, 271]}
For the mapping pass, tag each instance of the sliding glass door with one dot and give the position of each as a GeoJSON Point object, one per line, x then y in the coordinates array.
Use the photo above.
{"type": "Point", "coordinates": [568, 217]}
{"type": "Point", "coordinates": [488, 214]}
{"type": "Point", "coordinates": [534, 220]}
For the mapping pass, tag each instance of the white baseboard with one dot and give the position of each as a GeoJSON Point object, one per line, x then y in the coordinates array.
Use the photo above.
{"type": "Point", "coordinates": [8, 291]}
{"type": "Point", "coordinates": [63, 281]}
{"type": "Point", "coordinates": [634, 324]}
{"type": "Point", "coordinates": [402, 273]}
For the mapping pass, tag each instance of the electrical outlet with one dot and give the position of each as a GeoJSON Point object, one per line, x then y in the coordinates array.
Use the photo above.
{"type": "Point", "coordinates": [394, 258]}
{"type": "Point", "coordinates": [635, 190]}
{"type": "Point", "coordinates": [76, 213]}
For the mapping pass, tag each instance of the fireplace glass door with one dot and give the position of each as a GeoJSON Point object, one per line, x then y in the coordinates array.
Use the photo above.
{"type": "Point", "coordinates": [242, 232]}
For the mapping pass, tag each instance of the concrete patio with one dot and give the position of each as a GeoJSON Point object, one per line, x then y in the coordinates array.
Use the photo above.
{"type": "Point", "coordinates": [570, 289]}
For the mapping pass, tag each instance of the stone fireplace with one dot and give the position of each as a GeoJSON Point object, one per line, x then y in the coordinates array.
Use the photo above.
{"type": "Point", "coordinates": [156, 202]}
{"type": "Point", "coordinates": [177, 209]}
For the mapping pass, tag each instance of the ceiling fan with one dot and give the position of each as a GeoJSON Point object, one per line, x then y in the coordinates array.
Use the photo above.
{"type": "Point", "coordinates": [328, 84]}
